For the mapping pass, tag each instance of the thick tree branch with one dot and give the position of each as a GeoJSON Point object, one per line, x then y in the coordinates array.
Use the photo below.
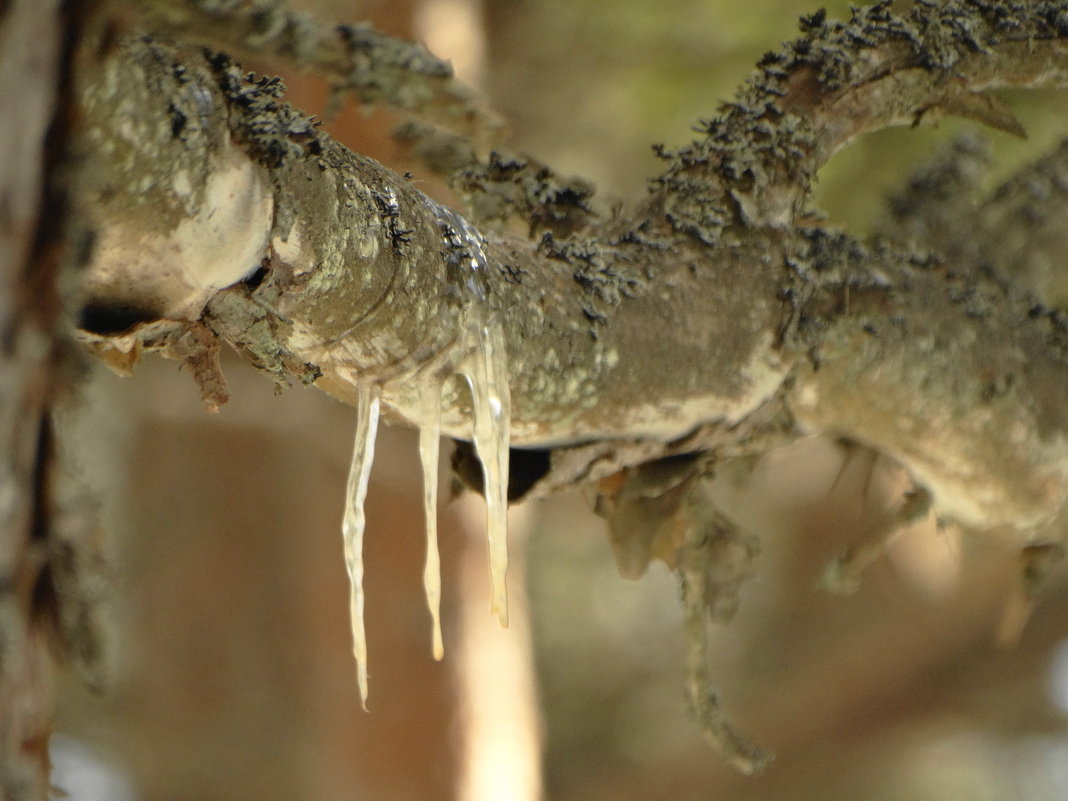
{"type": "Point", "coordinates": [408, 250]}
{"type": "Point", "coordinates": [959, 381]}
{"type": "Point", "coordinates": [336, 244]}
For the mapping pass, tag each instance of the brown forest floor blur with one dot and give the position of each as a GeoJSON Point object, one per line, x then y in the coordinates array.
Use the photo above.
{"type": "Point", "coordinates": [235, 678]}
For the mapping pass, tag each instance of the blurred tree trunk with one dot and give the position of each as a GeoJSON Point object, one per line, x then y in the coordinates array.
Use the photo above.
{"type": "Point", "coordinates": [35, 371]}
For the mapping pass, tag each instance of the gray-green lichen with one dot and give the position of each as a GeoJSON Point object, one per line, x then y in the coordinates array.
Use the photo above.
{"type": "Point", "coordinates": [502, 186]}
{"type": "Point", "coordinates": [250, 327]}
{"type": "Point", "coordinates": [603, 271]}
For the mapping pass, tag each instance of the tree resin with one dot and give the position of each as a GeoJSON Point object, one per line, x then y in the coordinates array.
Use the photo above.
{"type": "Point", "coordinates": [481, 359]}
{"type": "Point", "coordinates": [486, 372]}
{"type": "Point", "coordinates": [429, 439]}
{"type": "Point", "coordinates": [484, 364]}
{"type": "Point", "coordinates": [354, 522]}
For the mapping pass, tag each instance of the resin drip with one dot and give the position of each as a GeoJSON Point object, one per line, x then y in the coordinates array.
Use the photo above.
{"type": "Point", "coordinates": [429, 436]}
{"type": "Point", "coordinates": [354, 522]}
{"type": "Point", "coordinates": [487, 375]}
{"type": "Point", "coordinates": [485, 367]}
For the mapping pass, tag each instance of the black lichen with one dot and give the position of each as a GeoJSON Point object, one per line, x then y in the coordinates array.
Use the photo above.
{"type": "Point", "coordinates": [505, 186]}
{"type": "Point", "coordinates": [271, 130]}
{"type": "Point", "coordinates": [598, 269]}
{"type": "Point", "coordinates": [389, 211]}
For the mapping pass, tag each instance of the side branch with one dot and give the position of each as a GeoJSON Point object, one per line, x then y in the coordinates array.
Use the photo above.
{"type": "Point", "coordinates": [377, 68]}
{"type": "Point", "coordinates": [817, 94]}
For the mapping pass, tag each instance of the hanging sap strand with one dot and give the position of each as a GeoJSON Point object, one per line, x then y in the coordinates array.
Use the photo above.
{"type": "Point", "coordinates": [487, 375]}
{"type": "Point", "coordinates": [429, 436]}
{"type": "Point", "coordinates": [354, 521]}
{"type": "Point", "coordinates": [485, 368]}
{"type": "Point", "coordinates": [481, 359]}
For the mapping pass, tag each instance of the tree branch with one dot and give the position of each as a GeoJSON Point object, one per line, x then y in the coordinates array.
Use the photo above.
{"type": "Point", "coordinates": [376, 68]}
{"type": "Point", "coordinates": [771, 304]}
{"type": "Point", "coordinates": [840, 81]}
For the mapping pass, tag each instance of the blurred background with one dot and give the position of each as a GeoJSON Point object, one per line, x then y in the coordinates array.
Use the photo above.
{"type": "Point", "coordinates": [231, 675]}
